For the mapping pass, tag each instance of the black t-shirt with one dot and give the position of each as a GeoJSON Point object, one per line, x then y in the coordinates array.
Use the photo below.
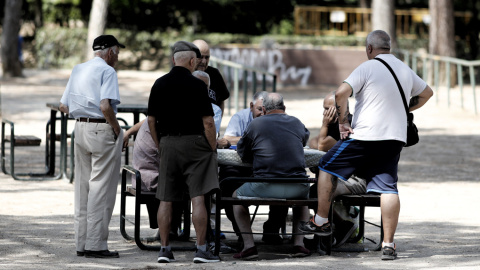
{"type": "Point", "coordinates": [178, 101]}
{"type": "Point", "coordinates": [217, 84]}
{"type": "Point", "coordinates": [333, 129]}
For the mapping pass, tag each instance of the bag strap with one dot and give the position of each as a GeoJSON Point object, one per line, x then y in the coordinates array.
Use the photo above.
{"type": "Point", "coordinates": [398, 84]}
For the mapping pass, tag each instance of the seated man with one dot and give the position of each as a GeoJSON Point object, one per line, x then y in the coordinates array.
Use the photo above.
{"type": "Point", "coordinates": [235, 129]}
{"type": "Point", "coordinates": [274, 145]}
{"type": "Point", "coordinates": [328, 137]}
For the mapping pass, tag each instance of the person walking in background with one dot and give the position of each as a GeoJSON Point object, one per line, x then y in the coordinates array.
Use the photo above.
{"type": "Point", "coordinates": [91, 97]}
{"type": "Point", "coordinates": [187, 146]}
{"type": "Point", "coordinates": [370, 147]}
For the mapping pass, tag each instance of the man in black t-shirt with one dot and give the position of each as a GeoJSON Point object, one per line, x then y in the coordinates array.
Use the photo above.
{"type": "Point", "coordinates": [217, 84]}
{"type": "Point", "coordinates": [328, 137]}
{"type": "Point", "coordinates": [185, 137]}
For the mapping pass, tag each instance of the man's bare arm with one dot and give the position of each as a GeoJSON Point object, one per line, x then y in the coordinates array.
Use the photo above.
{"type": "Point", "coordinates": [210, 131]}
{"type": "Point", "coordinates": [109, 115]}
{"type": "Point", "coordinates": [232, 139]}
{"type": "Point", "coordinates": [63, 108]}
{"type": "Point", "coordinates": [153, 129]}
{"type": "Point", "coordinates": [420, 100]}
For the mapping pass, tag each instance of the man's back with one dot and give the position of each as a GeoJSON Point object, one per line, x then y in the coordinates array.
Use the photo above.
{"type": "Point", "coordinates": [274, 142]}
{"type": "Point", "coordinates": [379, 110]}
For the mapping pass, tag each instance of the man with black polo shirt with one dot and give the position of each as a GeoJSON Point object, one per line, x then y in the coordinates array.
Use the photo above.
{"type": "Point", "coordinates": [187, 145]}
{"type": "Point", "coordinates": [217, 84]}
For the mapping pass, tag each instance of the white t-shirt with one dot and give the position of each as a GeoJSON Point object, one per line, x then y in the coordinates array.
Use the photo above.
{"type": "Point", "coordinates": [379, 111]}
{"type": "Point", "coordinates": [89, 83]}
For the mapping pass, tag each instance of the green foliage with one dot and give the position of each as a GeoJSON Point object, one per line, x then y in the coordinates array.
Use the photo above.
{"type": "Point", "coordinates": [63, 47]}
{"type": "Point", "coordinates": [59, 47]}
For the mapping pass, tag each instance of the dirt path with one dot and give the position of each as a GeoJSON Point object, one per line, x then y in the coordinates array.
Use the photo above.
{"type": "Point", "coordinates": [439, 183]}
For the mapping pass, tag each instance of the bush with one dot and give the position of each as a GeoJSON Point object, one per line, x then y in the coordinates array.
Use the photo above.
{"type": "Point", "coordinates": [63, 47]}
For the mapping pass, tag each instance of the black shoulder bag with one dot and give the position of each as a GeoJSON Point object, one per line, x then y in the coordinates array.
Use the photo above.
{"type": "Point", "coordinates": [412, 131]}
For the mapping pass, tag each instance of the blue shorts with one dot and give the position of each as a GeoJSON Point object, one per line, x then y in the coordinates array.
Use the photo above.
{"type": "Point", "coordinates": [375, 161]}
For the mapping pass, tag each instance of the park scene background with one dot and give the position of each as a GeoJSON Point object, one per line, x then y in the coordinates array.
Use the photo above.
{"type": "Point", "coordinates": [439, 178]}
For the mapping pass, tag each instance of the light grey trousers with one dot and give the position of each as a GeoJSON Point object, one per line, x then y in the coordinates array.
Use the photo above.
{"type": "Point", "coordinates": [97, 173]}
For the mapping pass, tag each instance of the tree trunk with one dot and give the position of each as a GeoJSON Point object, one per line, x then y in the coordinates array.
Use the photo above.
{"type": "Point", "coordinates": [96, 24]}
{"type": "Point", "coordinates": [38, 13]}
{"type": "Point", "coordinates": [11, 65]}
{"type": "Point", "coordinates": [383, 18]}
{"type": "Point", "coordinates": [442, 34]}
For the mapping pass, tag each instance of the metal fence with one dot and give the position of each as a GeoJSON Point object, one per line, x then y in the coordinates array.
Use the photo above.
{"type": "Point", "coordinates": [465, 71]}
{"type": "Point", "coordinates": [242, 78]}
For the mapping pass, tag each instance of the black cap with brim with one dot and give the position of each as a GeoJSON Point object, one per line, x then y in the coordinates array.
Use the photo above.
{"type": "Point", "coordinates": [105, 41]}
{"type": "Point", "coordinates": [184, 46]}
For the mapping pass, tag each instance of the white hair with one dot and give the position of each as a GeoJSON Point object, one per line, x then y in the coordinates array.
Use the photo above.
{"type": "Point", "coordinates": [103, 53]}
{"type": "Point", "coordinates": [203, 74]}
{"type": "Point", "coordinates": [183, 56]}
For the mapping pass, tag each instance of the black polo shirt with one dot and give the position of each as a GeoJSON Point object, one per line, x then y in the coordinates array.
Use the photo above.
{"type": "Point", "coordinates": [179, 101]}
{"type": "Point", "coordinates": [217, 84]}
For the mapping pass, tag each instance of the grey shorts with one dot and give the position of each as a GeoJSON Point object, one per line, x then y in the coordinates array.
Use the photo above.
{"type": "Point", "coordinates": [278, 191]}
{"type": "Point", "coordinates": [355, 184]}
{"type": "Point", "coordinates": [187, 163]}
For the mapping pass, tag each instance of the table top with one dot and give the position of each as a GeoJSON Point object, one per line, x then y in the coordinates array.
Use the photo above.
{"type": "Point", "coordinates": [133, 108]}
{"type": "Point", "coordinates": [231, 157]}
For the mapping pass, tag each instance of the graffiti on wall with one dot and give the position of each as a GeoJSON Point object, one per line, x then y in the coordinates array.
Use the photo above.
{"type": "Point", "coordinates": [270, 60]}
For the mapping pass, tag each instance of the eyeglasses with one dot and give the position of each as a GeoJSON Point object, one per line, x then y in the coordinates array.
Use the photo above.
{"type": "Point", "coordinates": [206, 57]}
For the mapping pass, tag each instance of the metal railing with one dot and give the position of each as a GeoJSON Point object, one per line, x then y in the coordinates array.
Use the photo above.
{"type": "Point", "coordinates": [420, 62]}
{"type": "Point", "coordinates": [243, 78]}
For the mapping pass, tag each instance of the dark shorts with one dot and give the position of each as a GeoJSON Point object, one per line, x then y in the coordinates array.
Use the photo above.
{"type": "Point", "coordinates": [375, 161]}
{"type": "Point", "coordinates": [187, 163]}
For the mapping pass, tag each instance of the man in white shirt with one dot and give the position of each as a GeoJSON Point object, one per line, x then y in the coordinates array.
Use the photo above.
{"type": "Point", "coordinates": [91, 97]}
{"type": "Point", "coordinates": [370, 147]}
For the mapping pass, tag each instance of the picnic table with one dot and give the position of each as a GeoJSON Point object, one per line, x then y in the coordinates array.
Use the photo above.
{"type": "Point", "coordinates": [135, 109]}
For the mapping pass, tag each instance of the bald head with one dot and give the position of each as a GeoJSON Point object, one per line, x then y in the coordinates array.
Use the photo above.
{"type": "Point", "coordinates": [273, 102]}
{"type": "Point", "coordinates": [205, 51]}
{"type": "Point", "coordinates": [329, 101]}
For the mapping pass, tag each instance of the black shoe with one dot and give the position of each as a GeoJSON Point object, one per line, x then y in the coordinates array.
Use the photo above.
{"type": "Point", "coordinates": [311, 227]}
{"type": "Point", "coordinates": [343, 231]}
{"type": "Point", "coordinates": [271, 239]}
{"type": "Point", "coordinates": [389, 253]}
{"type": "Point", "coordinates": [80, 253]}
{"type": "Point", "coordinates": [101, 254]}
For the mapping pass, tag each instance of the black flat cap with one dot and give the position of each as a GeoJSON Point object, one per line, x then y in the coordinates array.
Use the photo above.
{"type": "Point", "coordinates": [105, 41]}
{"type": "Point", "coordinates": [184, 46]}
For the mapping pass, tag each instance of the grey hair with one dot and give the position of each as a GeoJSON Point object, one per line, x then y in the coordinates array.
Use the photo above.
{"type": "Point", "coordinates": [261, 95]}
{"type": "Point", "coordinates": [378, 39]}
{"type": "Point", "coordinates": [203, 74]}
{"type": "Point", "coordinates": [273, 101]}
{"type": "Point", "coordinates": [183, 56]}
{"type": "Point", "coordinates": [103, 53]}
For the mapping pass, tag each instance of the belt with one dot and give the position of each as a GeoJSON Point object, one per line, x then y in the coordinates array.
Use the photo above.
{"type": "Point", "coordinates": [91, 120]}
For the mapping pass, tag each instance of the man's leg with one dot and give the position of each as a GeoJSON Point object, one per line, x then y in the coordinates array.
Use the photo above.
{"type": "Point", "coordinates": [242, 216]}
{"type": "Point", "coordinates": [164, 219]}
{"type": "Point", "coordinates": [326, 187]}
{"type": "Point", "coordinates": [299, 214]}
{"type": "Point", "coordinates": [390, 208]}
{"type": "Point", "coordinates": [200, 219]}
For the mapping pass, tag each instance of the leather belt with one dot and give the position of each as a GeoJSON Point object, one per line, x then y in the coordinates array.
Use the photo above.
{"type": "Point", "coordinates": [92, 120]}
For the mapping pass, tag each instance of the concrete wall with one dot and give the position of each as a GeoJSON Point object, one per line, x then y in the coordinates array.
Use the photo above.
{"type": "Point", "coordinates": [298, 66]}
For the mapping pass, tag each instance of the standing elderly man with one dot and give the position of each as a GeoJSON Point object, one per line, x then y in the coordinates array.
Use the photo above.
{"type": "Point", "coordinates": [217, 84]}
{"type": "Point", "coordinates": [370, 147]}
{"type": "Point", "coordinates": [274, 145]}
{"type": "Point", "coordinates": [91, 97]}
{"type": "Point", "coordinates": [187, 146]}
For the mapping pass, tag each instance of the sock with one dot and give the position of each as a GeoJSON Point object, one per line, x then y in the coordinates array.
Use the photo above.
{"type": "Point", "coordinates": [202, 247]}
{"type": "Point", "coordinates": [320, 220]}
{"type": "Point", "coordinates": [167, 248]}
{"type": "Point", "coordinates": [392, 245]}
